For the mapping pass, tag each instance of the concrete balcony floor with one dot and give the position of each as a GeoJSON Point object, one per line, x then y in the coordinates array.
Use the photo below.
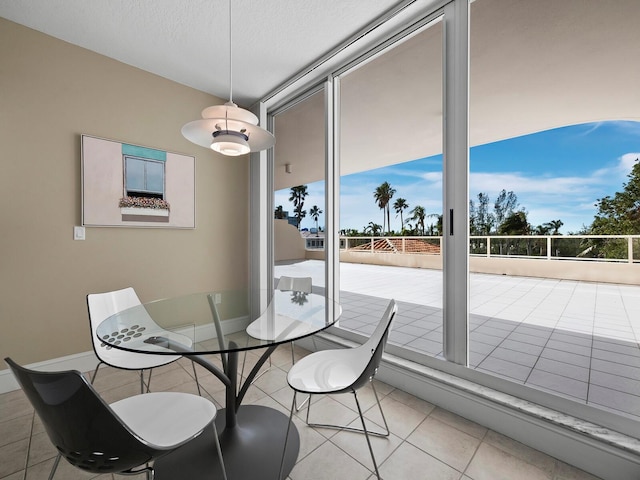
{"type": "Point", "coordinates": [575, 339]}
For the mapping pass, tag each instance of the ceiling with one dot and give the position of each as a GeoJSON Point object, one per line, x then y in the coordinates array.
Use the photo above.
{"type": "Point", "coordinates": [187, 41]}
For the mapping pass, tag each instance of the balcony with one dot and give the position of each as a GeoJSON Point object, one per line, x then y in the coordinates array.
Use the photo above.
{"type": "Point", "coordinates": [565, 325]}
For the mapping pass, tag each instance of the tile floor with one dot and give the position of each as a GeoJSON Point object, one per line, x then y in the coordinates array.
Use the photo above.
{"type": "Point", "coordinates": [427, 442]}
{"type": "Point", "coordinates": [575, 339]}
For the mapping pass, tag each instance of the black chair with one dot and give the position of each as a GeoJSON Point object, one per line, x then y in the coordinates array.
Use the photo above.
{"type": "Point", "coordinates": [343, 371]}
{"type": "Point", "coordinates": [119, 438]}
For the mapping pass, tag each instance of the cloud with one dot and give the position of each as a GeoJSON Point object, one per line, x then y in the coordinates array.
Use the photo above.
{"type": "Point", "coordinates": [627, 161]}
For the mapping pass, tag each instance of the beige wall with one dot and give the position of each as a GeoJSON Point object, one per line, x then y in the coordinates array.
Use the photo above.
{"type": "Point", "coordinates": [50, 93]}
{"type": "Point", "coordinates": [288, 244]}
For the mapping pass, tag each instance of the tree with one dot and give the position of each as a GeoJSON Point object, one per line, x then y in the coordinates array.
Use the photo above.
{"type": "Point", "coordinates": [617, 215]}
{"type": "Point", "coordinates": [437, 228]}
{"type": "Point", "coordinates": [383, 195]}
{"type": "Point", "coordinates": [504, 206]}
{"type": "Point", "coordinates": [372, 228]}
{"type": "Point", "coordinates": [620, 215]}
{"type": "Point", "coordinates": [315, 213]}
{"type": "Point", "coordinates": [481, 221]}
{"type": "Point", "coordinates": [555, 225]}
{"type": "Point", "coordinates": [544, 229]}
{"type": "Point", "coordinates": [399, 206]}
{"type": "Point", "coordinates": [418, 215]}
{"type": "Point", "coordinates": [298, 195]}
{"type": "Point", "coordinates": [515, 224]}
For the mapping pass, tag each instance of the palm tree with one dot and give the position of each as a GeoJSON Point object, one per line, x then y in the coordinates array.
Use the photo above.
{"type": "Point", "coordinates": [298, 195]}
{"type": "Point", "coordinates": [555, 226]}
{"type": "Point", "coordinates": [399, 205]}
{"type": "Point", "coordinates": [372, 228]}
{"type": "Point", "coordinates": [383, 195]}
{"type": "Point", "coordinates": [315, 213]}
{"type": "Point", "coordinates": [418, 215]}
{"type": "Point", "coordinates": [437, 226]}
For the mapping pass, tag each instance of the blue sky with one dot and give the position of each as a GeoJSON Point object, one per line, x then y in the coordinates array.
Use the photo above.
{"type": "Point", "coordinates": [556, 174]}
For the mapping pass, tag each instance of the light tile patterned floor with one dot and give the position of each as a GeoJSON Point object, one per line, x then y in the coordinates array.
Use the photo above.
{"type": "Point", "coordinates": [426, 441]}
{"type": "Point", "coordinates": [576, 339]}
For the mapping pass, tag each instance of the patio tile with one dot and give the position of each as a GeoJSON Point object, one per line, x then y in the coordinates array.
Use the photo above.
{"type": "Point", "coordinates": [572, 337]}
{"type": "Point", "coordinates": [522, 347]}
{"type": "Point", "coordinates": [525, 338]}
{"type": "Point", "coordinates": [620, 358]}
{"type": "Point", "coordinates": [566, 357]}
{"type": "Point", "coordinates": [514, 356]}
{"type": "Point", "coordinates": [555, 319]}
{"type": "Point", "coordinates": [615, 368]}
{"type": "Point", "coordinates": [558, 383]}
{"type": "Point", "coordinates": [621, 401]}
{"type": "Point", "coordinates": [616, 382]}
{"type": "Point", "coordinates": [508, 369]}
{"type": "Point", "coordinates": [569, 347]}
{"type": "Point", "coordinates": [564, 369]}
{"type": "Point", "coordinates": [487, 339]}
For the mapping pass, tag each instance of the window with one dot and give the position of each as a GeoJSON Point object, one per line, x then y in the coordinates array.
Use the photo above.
{"type": "Point", "coordinates": [143, 177]}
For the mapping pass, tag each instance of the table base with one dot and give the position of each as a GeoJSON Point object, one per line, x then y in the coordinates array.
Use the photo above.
{"type": "Point", "coordinates": [251, 450]}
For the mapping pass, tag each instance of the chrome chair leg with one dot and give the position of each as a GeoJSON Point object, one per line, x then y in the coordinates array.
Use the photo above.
{"type": "Point", "coordinates": [366, 434]}
{"type": "Point", "coordinates": [385, 433]}
{"type": "Point", "coordinates": [55, 465]}
{"type": "Point", "coordinates": [195, 374]}
{"type": "Point", "coordinates": [95, 372]}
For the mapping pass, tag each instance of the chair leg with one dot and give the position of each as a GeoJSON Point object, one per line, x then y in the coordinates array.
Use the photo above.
{"type": "Point", "coordinates": [366, 434]}
{"type": "Point", "coordinates": [354, 429]}
{"type": "Point", "coordinates": [224, 470]}
{"type": "Point", "coordinates": [195, 374]}
{"type": "Point", "coordinates": [55, 465]}
{"type": "Point", "coordinates": [148, 381]}
{"type": "Point", "coordinates": [95, 372]}
{"type": "Point", "coordinates": [286, 437]}
{"type": "Point", "coordinates": [258, 375]}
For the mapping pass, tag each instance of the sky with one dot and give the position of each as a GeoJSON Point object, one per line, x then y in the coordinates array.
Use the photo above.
{"type": "Point", "coordinates": [557, 174]}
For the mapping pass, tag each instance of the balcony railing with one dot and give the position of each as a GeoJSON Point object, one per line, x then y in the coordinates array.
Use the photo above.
{"type": "Point", "coordinates": [601, 248]}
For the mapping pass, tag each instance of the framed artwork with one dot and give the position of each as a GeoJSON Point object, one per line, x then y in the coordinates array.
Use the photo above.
{"type": "Point", "coordinates": [125, 185]}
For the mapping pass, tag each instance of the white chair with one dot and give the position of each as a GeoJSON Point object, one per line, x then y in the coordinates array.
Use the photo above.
{"type": "Point", "coordinates": [103, 305]}
{"type": "Point", "coordinates": [123, 437]}
{"type": "Point", "coordinates": [286, 284]}
{"type": "Point", "coordinates": [343, 371]}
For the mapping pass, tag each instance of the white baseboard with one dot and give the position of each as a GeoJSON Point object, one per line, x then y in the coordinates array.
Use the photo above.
{"type": "Point", "coordinates": [83, 362]}
{"type": "Point", "coordinates": [87, 361]}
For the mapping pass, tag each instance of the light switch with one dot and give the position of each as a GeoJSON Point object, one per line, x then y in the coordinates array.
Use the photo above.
{"type": "Point", "coordinates": [78, 233]}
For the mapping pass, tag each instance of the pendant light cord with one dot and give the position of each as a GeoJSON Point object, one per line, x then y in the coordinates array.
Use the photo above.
{"type": "Point", "coordinates": [230, 58]}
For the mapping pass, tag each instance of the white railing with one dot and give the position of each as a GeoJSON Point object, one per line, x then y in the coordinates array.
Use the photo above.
{"type": "Point", "coordinates": [600, 248]}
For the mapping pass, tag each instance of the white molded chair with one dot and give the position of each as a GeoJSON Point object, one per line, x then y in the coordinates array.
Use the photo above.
{"type": "Point", "coordinates": [123, 437]}
{"type": "Point", "coordinates": [286, 284]}
{"type": "Point", "coordinates": [103, 305]}
{"type": "Point", "coordinates": [343, 371]}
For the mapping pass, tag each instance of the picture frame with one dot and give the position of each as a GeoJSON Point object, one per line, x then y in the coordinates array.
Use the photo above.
{"type": "Point", "coordinates": [128, 185]}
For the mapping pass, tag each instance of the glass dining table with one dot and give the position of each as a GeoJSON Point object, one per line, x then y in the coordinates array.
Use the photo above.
{"type": "Point", "coordinates": [212, 329]}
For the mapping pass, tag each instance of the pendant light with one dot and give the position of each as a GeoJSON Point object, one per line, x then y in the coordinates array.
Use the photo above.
{"type": "Point", "coordinates": [229, 129]}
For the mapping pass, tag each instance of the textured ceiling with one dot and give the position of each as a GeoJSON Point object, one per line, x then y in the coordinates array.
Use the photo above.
{"type": "Point", "coordinates": [187, 41]}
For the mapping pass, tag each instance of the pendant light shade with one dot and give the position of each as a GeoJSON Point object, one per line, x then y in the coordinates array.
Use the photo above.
{"type": "Point", "coordinates": [223, 126]}
{"type": "Point", "coordinates": [229, 129]}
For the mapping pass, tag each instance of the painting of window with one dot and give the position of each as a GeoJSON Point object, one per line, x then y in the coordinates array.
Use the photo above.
{"type": "Point", "coordinates": [131, 185]}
